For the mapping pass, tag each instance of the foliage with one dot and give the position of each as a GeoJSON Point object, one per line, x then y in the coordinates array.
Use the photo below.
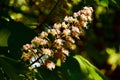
{"type": "Point", "coordinates": [22, 20]}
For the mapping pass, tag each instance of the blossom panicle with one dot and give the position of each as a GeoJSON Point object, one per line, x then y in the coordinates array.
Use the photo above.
{"type": "Point", "coordinates": [40, 51]}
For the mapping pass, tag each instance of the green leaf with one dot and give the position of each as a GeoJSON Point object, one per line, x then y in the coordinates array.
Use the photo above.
{"type": "Point", "coordinates": [88, 69]}
{"type": "Point", "coordinates": [70, 70]}
{"type": "Point", "coordinates": [8, 69]}
{"type": "Point", "coordinates": [15, 64]}
{"type": "Point", "coordinates": [104, 3]}
{"type": "Point", "coordinates": [4, 34]}
{"type": "Point", "coordinates": [114, 1]}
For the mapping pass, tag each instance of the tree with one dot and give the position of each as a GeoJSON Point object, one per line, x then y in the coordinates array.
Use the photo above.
{"type": "Point", "coordinates": [31, 26]}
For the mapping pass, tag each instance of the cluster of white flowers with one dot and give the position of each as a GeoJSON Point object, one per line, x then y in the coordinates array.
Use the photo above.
{"type": "Point", "coordinates": [64, 34]}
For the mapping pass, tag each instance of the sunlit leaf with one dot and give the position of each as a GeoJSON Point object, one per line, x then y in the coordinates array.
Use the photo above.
{"type": "Point", "coordinates": [114, 58]}
{"type": "Point", "coordinates": [88, 69]}
{"type": "Point", "coordinates": [104, 3]}
{"type": "Point", "coordinates": [76, 1]}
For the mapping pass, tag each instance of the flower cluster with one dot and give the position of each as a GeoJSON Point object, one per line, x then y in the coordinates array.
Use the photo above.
{"type": "Point", "coordinates": [57, 42]}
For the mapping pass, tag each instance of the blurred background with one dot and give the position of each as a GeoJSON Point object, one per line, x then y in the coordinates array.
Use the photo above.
{"type": "Point", "coordinates": [21, 20]}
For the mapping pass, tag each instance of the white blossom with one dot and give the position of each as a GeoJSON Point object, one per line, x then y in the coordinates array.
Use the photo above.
{"type": "Point", "coordinates": [46, 51]}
